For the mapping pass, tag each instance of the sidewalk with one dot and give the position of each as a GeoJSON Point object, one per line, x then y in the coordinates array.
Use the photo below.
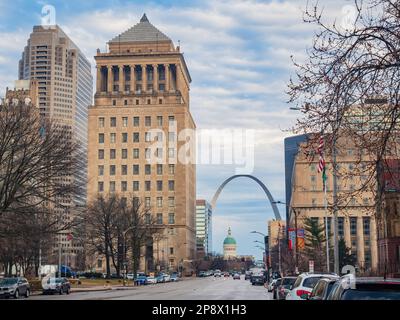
{"type": "Point", "coordinates": [95, 288]}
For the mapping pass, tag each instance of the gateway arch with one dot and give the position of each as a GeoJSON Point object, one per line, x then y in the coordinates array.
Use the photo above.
{"type": "Point", "coordinates": [262, 185]}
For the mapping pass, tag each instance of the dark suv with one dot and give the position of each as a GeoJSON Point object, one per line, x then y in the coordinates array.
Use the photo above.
{"type": "Point", "coordinates": [14, 287]}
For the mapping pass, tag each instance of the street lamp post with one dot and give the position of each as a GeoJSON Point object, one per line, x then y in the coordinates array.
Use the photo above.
{"type": "Point", "coordinates": [266, 249]}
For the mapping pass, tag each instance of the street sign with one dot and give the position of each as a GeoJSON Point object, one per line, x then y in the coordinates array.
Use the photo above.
{"type": "Point", "coordinates": [311, 266]}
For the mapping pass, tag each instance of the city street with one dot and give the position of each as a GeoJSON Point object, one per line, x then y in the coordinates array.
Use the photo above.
{"type": "Point", "coordinates": [192, 289]}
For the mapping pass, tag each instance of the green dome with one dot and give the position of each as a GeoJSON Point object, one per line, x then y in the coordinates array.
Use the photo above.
{"type": "Point", "coordinates": [229, 239]}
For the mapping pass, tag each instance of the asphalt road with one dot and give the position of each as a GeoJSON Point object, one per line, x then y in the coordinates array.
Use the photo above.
{"type": "Point", "coordinates": [209, 288]}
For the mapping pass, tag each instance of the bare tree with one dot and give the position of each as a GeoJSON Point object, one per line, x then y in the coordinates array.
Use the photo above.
{"type": "Point", "coordinates": [38, 159]}
{"type": "Point", "coordinates": [349, 85]}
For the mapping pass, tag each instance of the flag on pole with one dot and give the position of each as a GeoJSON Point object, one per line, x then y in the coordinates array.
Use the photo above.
{"type": "Point", "coordinates": [322, 163]}
{"type": "Point", "coordinates": [69, 237]}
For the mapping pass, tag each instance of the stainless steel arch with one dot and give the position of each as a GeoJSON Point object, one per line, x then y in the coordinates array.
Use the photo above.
{"type": "Point", "coordinates": [262, 185]}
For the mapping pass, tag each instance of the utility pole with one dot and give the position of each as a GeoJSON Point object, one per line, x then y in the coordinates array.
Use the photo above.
{"type": "Point", "coordinates": [335, 204]}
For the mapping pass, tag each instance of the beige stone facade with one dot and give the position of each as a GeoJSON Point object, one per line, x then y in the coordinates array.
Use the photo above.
{"type": "Point", "coordinates": [356, 210]}
{"type": "Point", "coordinates": [140, 113]}
{"type": "Point", "coordinates": [276, 232]}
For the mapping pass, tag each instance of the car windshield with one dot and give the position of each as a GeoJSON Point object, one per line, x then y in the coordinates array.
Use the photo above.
{"type": "Point", "coordinates": [8, 281]}
{"type": "Point", "coordinates": [311, 282]}
{"type": "Point", "coordinates": [287, 282]}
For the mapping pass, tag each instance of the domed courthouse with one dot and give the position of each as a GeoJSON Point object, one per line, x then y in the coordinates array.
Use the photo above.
{"type": "Point", "coordinates": [230, 246]}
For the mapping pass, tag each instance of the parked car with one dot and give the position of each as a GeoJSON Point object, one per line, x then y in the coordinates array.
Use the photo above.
{"type": "Point", "coordinates": [247, 275]}
{"type": "Point", "coordinates": [304, 284]}
{"type": "Point", "coordinates": [202, 274]}
{"type": "Point", "coordinates": [257, 280]}
{"type": "Point", "coordinates": [236, 276]}
{"type": "Point", "coordinates": [322, 289]}
{"type": "Point", "coordinates": [275, 289]}
{"type": "Point", "coordinates": [151, 280]}
{"type": "Point", "coordinates": [365, 289]}
{"type": "Point", "coordinates": [174, 277]}
{"type": "Point", "coordinates": [226, 275]}
{"type": "Point", "coordinates": [141, 279]}
{"type": "Point", "coordinates": [217, 273]}
{"type": "Point", "coordinates": [56, 285]}
{"type": "Point", "coordinates": [284, 287]}
{"type": "Point", "coordinates": [167, 278]}
{"type": "Point", "coordinates": [130, 276]}
{"type": "Point", "coordinates": [160, 278]}
{"type": "Point", "coordinates": [14, 287]}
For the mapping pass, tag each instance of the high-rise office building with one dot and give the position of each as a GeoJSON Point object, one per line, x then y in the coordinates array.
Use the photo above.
{"type": "Point", "coordinates": [142, 100]}
{"type": "Point", "coordinates": [203, 228]}
{"type": "Point", "coordinates": [65, 91]}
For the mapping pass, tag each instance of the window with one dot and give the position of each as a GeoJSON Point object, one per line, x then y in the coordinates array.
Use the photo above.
{"type": "Point", "coordinates": [171, 152]}
{"type": "Point", "coordinates": [114, 102]}
{"type": "Point", "coordinates": [147, 185]}
{"type": "Point", "coordinates": [314, 202]}
{"type": "Point", "coordinates": [160, 121]}
{"type": "Point", "coordinates": [135, 153]}
{"type": "Point", "coordinates": [136, 121]}
{"type": "Point", "coordinates": [124, 186]}
{"type": "Point", "coordinates": [101, 122]}
{"type": "Point", "coordinates": [159, 218]}
{"type": "Point", "coordinates": [135, 169]}
{"type": "Point", "coordinates": [313, 179]}
{"type": "Point", "coordinates": [124, 137]}
{"type": "Point", "coordinates": [135, 185]}
{"type": "Point", "coordinates": [112, 186]}
{"type": "Point", "coordinates": [137, 102]}
{"type": "Point", "coordinates": [124, 170]}
{"type": "Point", "coordinates": [159, 136]}
{"type": "Point", "coordinates": [159, 152]}
{"type": "Point", "coordinates": [159, 185]}
{"type": "Point", "coordinates": [160, 101]}
{"type": "Point", "coordinates": [125, 102]}
{"type": "Point", "coordinates": [112, 137]}
{"type": "Point", "coordinates": [101, 137]}
{"type": "Point", "coordinates": [124, 153]}
{"type": "Point", "coordinates": [112, 170]}
{"type": "Point", "coordinates": [171, 250]}
{"type": "Point", "coordinates": [350, 152]}
{"type": "Point", "coordinates": [147, 169]}
{"type": "Point", "coordinates": [171, 218]}
{"type": "Point", "coordinates": [159, 202]}
{"type": "Point", "coordinates": [171, 136]}
{"type": "Point", "coordinates": [365, 201]}
{"type": "Point", "coordinates": [113, 122]}
{"type": "Point", "coordinates": [100, 186]}
{"type": "Point", "coordinates": [171, 169]}
{"type": "Point", "coordinates": [171, 202]}
{"type": "Point", "coordinates": [159, 169]}
{"type": "Point", "coordinates": [136, 137]}
{"type": "Point", "coordinates": [147, 202]}
{"type": "Point", "coordinates": [341, 226]}
{"type": "Point", "coordinates": [101, 170]}
{"type": "Point", "coordinates": [147, 218]}
{"type": "Point", "coordinates": [353, 226]}
{"type": "Point", "coordinates": [112, 154]}
{"type": "Point", "coordinates": [312, 167]}
{"type": "Point", "coordinates": [171, 120]}
{"type": "Point", "coordinates": [161, 87]}
{"type": "Point", "coordinates": [125, 121]}
{"type": "Point", "coordinates": [101, 154]}
{"type": "Point", "coordinates": [147, 153]}
{"type": "Point", "coordinates": [366, 225]}
{"type": "Point", "coordinates": [147, 136]}
{"type": "Point", "coordinates": [171, 185]}
{"type": "Point", "coordinates": [147, 121]}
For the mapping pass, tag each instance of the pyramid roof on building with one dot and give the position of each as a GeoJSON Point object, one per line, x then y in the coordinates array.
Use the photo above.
{"type": "Point", "coordinates": [143, 31]}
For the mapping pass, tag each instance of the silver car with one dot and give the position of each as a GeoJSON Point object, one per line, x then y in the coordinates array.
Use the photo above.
{"type": "Point", "coordinates": [14, 287]}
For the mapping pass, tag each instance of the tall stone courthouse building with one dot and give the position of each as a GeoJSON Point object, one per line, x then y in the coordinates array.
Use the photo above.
{"type": "Point", "coordinates": [141, 107]}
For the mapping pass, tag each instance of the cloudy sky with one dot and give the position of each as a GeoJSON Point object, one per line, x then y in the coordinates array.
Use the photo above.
{"type": "Point", "coordinates": [238, 53]}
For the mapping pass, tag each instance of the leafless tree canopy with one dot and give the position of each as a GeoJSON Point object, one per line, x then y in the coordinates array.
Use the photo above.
{"type": "Point", "coordinates": [117, 226]}
{"type": "Point", "coordinates": [37, 160]}
{"type": "Point", "coordinates": [349, 85]}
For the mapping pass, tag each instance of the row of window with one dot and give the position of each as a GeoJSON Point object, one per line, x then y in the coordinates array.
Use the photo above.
{"type": "Point", "coordinates": [136, 169]}
{"type": "Point", "coordinates": [136, 153]}
{"type": "Point", "coordinates": [136, 121]}
{"type": "Point", "coordinates": [148, 137]}
{"type": "Point", "coordinates": [136, 186]}
{"type": "Point", "coordinates": [160, 220]}
{"type": "Point", "coordinates": [353, 225]}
